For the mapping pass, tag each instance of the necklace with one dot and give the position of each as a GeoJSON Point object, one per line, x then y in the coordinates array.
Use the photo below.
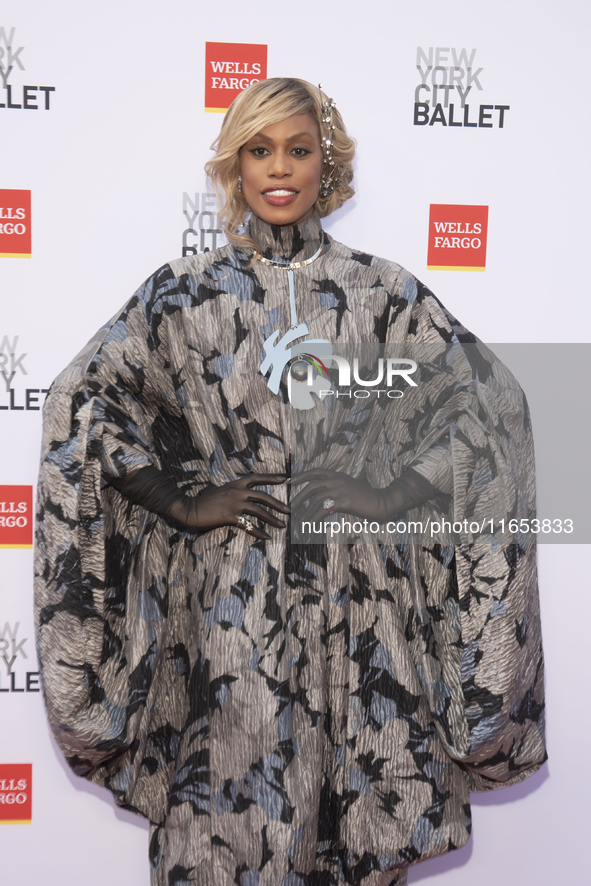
{"type": "Point", "coordinates": [279, 353]}
{"type": "Point", "coordinates": [290, 267]}
{"type": "Point", "coordinates": [286, 265]}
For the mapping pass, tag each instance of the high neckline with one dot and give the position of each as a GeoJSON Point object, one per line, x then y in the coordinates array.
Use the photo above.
{"type": "Point", "coordinates": [289, 243]}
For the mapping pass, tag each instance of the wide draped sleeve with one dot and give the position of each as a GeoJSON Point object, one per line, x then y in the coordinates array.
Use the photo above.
{"type": "Point", "coordinates": [473, 619]}
{"type": "Point", "coordinates": [105, 568]}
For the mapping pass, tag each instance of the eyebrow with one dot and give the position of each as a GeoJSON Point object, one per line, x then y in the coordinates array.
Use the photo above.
{"type": "Point", "coordinates": [290, 139]}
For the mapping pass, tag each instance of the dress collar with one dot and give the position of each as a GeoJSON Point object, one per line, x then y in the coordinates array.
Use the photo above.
{"type": "Point", "coordinates": [287, 242]}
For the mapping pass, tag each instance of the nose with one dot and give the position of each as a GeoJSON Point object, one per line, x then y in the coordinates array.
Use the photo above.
{"type": "Point", "coordinates": [280, 165]}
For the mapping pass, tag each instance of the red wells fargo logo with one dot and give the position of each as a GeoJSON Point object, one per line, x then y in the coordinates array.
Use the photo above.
{"type": "Point", "coordinates": [16, 516]}
{"type": "Point", "coordinates": [16, 783]}
{"type": "Point", "coordinates": [15, 224]}
{"type": "Point", "coordinates": [229, 69]}
{"type": "Point", "coordinates": [457, 237]}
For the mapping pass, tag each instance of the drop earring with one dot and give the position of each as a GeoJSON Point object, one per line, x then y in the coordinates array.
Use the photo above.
{"type": "Point", "coordinates": [239, 185]}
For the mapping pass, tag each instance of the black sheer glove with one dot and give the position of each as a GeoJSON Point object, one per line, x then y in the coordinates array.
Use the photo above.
{"type": "Point", "coordinates": [213, 507]}
{"type": "Point", "coordinates": [357, 497]}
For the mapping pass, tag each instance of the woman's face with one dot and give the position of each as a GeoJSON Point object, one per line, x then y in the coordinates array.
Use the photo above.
{"type": "Point", "coordinates": [281, 167]}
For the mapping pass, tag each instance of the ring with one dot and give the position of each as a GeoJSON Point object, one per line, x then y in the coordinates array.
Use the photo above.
{"type": "Point", "coordinates": [328, 504]}
{"type": "Point", "coordinates": [245, 523]}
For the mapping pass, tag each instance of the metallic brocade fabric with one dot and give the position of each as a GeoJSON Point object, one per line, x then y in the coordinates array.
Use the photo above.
{"type": "Point", "coordinates": [285, 715]}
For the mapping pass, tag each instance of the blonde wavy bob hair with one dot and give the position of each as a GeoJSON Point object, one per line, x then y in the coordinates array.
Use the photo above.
{"type": "Point", "coordinates": [259, 106]}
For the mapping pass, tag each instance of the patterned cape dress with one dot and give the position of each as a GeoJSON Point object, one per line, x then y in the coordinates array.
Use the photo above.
{"type": "Point", "coordinates": [283, 714]}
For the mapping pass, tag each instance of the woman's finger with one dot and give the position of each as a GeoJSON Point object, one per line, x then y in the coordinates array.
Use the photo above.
{"type": "Point", "coordinates": [255, 511]}
{"type": "Point", "coordinates": [315, 474]}
{"type": "Point", "coordinates": [307, 493]}
{"type": "Point", "coordinates": [265, 498]}
{"type": "Point", "coordinates": [250, 528]}
{"type": "Point", "coordinates": [258, 533]}
{"type": "Point", "coordinates": [264, 479]}
{"type": "Point", "coordinates": [316, 509]}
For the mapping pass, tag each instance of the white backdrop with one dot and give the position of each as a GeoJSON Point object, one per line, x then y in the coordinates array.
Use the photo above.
{"type": "Point", "coordinates": [107, 165]}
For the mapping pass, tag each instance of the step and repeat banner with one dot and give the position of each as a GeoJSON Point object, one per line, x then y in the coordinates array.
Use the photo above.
{"type": "Point", "coordinates": [472, 171]}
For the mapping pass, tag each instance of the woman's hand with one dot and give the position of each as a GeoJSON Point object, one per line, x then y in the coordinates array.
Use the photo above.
{"type": "Point", "coordinates": [223, 505]}
{"type": "Point", "coordinates": [350, 496]}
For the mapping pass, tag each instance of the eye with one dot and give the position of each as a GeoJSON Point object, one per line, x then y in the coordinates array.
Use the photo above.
{"type": "Point", "coordinates": [258, 151]}
{"type": "Point", "coordinates": [300, 152]}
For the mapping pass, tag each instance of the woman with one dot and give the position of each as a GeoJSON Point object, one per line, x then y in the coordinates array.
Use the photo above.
{"type": "Point", "coordinates": [282, 713]}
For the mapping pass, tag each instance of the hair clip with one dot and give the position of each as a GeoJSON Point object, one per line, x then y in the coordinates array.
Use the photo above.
{"type": "Point", "coordinates": [330, 173]}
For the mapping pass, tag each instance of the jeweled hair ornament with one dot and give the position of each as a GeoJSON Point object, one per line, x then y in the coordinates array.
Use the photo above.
{"type": "Point", "coordinates": [330, 171]}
